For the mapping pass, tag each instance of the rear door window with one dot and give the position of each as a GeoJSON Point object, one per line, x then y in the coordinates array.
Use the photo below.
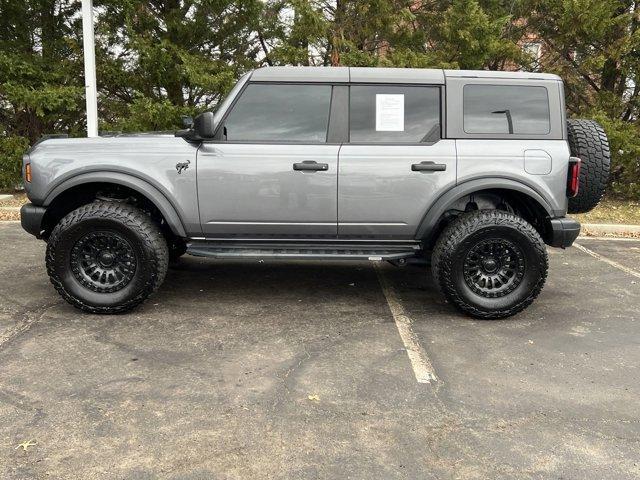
{"type": "Point", "coordinates": [506, 109]}
{"type": "Point", "coordinates": [280, 113]}
{"type": "Point", "coordinates": [394, 114]}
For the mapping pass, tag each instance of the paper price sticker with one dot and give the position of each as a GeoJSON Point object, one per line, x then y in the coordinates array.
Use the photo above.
{"type": "Point", "coordinates": [389, 112]}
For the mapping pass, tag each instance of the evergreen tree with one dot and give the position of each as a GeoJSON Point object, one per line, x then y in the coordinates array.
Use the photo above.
{"type": "Point", "coordinates": [40, 77]}
{"type": "Point", "coordinates": [594, 45]}
{"type": "Point", "coordinates": [340, 32]}
{"type": "Point", "coordinates": [163, 58]}
{"type": "Point", "coordinates": [160, 59]}
{"type": "Point", "coordinates": [402, 33]}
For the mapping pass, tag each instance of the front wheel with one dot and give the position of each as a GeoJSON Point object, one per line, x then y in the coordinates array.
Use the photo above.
{"type": "Point", "coordinates": [490, 264]}
{"type": "Point", "coordinates": [106, 257]}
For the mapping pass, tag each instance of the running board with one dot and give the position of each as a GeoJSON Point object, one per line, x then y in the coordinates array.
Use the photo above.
{"type": "Point", "coordinates": [306, 251]}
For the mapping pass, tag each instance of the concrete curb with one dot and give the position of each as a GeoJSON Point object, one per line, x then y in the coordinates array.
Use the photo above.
{"type": "Point", "coordinates": [604, 229]}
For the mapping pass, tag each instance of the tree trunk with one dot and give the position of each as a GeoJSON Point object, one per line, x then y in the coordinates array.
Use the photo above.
{"type": "Point", "coordinates": [173, 84]}
{"type": "Point", "coordinates": [48, 28]}
{"type": "Point", "coordinates": [301, 43]}
{"type": "Point", "coordinates": [611, 74]}
{"type": "Point", "coordinates": [338, 33]}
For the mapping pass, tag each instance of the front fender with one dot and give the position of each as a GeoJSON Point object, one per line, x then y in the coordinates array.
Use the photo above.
{"type": "Point", "coordinates": [154, 195]}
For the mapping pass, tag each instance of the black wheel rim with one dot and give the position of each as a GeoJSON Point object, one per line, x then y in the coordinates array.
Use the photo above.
{"type": "Point", "coordinates": [494, 267]}
{"type": "Point", "coordinates": [104, 261]}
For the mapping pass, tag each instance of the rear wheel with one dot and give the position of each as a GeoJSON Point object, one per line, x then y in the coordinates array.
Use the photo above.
{"type": "Point", "coordinates": [106, 257]}
{"type": "Point", "coordinates": [490, 264]}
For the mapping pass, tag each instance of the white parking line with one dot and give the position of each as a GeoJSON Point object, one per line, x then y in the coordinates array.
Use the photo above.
{"type": "Point", "coordinates": [628, 270]}
{"type": "Point", "coordinates": [422, 368]}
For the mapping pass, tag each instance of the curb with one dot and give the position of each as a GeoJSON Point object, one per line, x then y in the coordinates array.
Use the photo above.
{"type": "Point", "coordinates": [604, 229]}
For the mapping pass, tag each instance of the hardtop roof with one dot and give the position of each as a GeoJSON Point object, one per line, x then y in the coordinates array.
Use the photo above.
{"type": "Point", "coordinates": [383, 75]}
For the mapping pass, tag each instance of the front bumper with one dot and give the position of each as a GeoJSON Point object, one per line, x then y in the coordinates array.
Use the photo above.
{"type": "Point", "coordinates": [31, 218]}
{"type": "Point", "coordinates": [563, 232]}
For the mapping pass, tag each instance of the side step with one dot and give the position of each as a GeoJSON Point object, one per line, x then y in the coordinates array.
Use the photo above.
{"type": "Point", "coordinates": [304, 251]}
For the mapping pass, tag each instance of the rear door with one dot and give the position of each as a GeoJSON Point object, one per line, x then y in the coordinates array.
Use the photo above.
{"type": "Point", "coordinates": [396, 164]}
{"type": "Point", "coordinates": [273, 174]}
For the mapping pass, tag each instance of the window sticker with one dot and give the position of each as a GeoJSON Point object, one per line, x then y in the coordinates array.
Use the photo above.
{"type": "Point", "coordinates": [389, 112]}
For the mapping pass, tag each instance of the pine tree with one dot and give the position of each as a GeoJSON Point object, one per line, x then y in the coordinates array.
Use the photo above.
{"type": "Point", "coordinates": [594, 45]}
{"type": "Point", "coordinates": [161, 59]}
{"type": "Point", "coordinates": [40, 77]}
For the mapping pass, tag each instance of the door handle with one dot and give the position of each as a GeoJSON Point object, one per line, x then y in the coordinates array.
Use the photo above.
{"type": "Point", "coordinates": [311, 166]}
{"type": "Point", "coordinates": [428, 167]}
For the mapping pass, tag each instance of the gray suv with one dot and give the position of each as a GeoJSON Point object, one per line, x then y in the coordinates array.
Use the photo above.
{"type": "Point", "coordinates": [470, 171]}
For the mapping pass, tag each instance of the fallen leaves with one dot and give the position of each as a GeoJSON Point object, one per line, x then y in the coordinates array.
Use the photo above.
{"type": "Point", "coordinates": [9, 215]}
{"type": "Point", "coordinates": [26, 445]}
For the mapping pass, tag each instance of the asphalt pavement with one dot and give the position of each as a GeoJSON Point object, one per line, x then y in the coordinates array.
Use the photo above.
{"type": "Point", "coordinates": [309, 370]}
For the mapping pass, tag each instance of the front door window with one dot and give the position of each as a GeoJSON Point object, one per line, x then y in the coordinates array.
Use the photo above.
{"type": "Point", "coordinates": [280, 113]}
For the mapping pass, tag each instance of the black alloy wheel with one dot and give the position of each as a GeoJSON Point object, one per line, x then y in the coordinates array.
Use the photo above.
{"type": "Point", "coordinates": [490, 263]}
{"type": "Point", "coordinates": [103, 261]}
{"type": "Point", "coordinates": [494, 267]}
{"type": "Point", "coordinates": [107, 257]}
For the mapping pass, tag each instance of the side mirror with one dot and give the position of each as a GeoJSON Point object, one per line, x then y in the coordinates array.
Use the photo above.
{"type": "Point", "coordinates": [204, 126]}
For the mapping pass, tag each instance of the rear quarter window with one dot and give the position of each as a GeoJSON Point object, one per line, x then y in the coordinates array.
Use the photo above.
{"type": "Point", "coordinates": [506, 109]}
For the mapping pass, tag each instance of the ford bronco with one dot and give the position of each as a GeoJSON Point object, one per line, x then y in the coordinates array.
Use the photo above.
{"type": "Point", "coordinates": [472, 172]}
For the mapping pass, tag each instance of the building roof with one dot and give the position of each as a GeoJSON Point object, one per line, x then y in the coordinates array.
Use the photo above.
{"type": "Point", "coordinates": [382, 75]}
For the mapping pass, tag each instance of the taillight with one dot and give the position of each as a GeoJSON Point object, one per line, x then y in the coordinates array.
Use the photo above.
{"type": "Point", "coordinates": [573, 178]}
{"type": "Point", "coordinates": [27, 172]}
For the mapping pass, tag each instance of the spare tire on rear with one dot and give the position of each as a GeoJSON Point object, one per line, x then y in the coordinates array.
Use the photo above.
{"type": "Point", "coordinates": [589, 143]}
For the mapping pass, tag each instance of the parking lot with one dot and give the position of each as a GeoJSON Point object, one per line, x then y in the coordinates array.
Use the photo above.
{"type": "Point", "coordinates": [247, 369]}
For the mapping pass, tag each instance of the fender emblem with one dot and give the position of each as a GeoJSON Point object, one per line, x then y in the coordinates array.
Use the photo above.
{"type": "Point", "coordinates": [181, 166]}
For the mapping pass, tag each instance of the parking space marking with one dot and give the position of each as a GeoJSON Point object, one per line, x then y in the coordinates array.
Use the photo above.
{"type": "Point", "coordinates": [422, 367]}
{"type": "Point", "coordinates": [628, 270]}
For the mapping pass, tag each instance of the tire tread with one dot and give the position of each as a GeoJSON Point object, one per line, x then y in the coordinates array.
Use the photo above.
{"type": "Point", "coordinates": [588, 141]}
{"type": "Point", "coordinates": [443, 255]}
{"type": "Point", "coordinates": [131, 217]}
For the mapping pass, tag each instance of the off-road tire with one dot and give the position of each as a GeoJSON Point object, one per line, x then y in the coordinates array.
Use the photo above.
{"type": "Point", "coordinates": [468, 231]}
{"type": "Point", "coordinates": [137, 228]}
{"type": "Point", "coordinates": [588, 142]}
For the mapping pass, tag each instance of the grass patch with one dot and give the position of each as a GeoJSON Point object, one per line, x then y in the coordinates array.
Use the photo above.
{"type": "Point", "coordinates": [613, 211]}
{"type": "Point", "coordinates": [17, 200]}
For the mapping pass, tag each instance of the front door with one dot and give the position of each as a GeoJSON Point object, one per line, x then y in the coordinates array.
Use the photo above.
{"type": "Point", "coordinates": [396, 163]}
{"type": "Point", "coordinates": [273, 174]}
